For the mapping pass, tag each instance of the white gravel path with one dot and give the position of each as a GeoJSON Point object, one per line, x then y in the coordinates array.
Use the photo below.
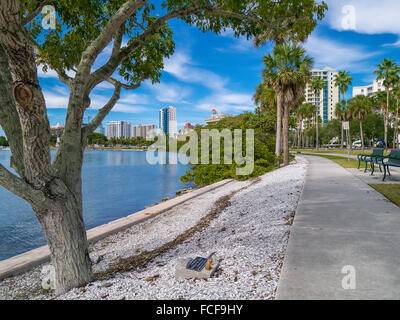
{"type": "Point", "coordinates": [250, 235]}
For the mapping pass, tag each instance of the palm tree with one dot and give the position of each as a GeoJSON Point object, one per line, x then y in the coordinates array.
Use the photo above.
{"type": "Point", "coordinates": [396, 98]}
{"type": "Point", "coordinates": [287, 70]}
{"type": "Point", "coordinates": [360, 107]}
{"type": "Point", "coordinates": [343, 80]}
{"type": "Point", "coordinates": [265, 97]}
{"type": "Point", "coordinates": [317, 84]}
{"type": "Point", "coordinates": [389, 71]}
{"type": "Point", "coordinates": [302, 113]}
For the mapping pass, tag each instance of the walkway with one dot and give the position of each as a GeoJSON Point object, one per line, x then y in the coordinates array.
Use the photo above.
{"type": "Point", "coordinates": [341, 221]}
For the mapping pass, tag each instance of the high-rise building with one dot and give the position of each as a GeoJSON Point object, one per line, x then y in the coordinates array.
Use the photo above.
{"type": "Point", "coordinates": [143, 130]}
{"type": "Point", "coordinates": [119, 129]}
{"type": "Point", "coordinates": [369, 90]}
{"type": "Point", "coordinates": [328, 97]}
{"type": "Point", "coordinates": [168, 123]}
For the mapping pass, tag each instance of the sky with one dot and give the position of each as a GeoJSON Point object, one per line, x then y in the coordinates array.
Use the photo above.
{"type": "Point", "coordinates": [221, 72]}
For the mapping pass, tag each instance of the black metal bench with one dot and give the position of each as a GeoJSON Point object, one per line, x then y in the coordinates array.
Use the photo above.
{"type": "Point", "coordinates": [371, 158]}
{"type": "Point", "coordinates": [393, 160]}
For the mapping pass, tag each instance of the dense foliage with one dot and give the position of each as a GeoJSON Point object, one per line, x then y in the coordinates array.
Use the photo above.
{"type": "Point", "coordinates": [264, 144]}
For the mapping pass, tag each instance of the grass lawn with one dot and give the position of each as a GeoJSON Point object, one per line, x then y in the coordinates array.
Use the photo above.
{"type": "Point", "coordinates": [390, 191]}
{"type": "Point", "coordinates": [344, 162]}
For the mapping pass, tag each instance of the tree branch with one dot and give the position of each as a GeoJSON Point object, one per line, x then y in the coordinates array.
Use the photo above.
{"type": "Point", "coordinates": [106, 35]}
{"type": "Point", "coordinates": [19, 187]}
{"type": "Point", "coordinates": [105, 72]}
{"type": "Point", "coordinates": [102, 113]}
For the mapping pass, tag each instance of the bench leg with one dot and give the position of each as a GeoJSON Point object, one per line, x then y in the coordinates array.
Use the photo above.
{"type": "Point", "coordinates": [359, 162]}
{"type": "Point", "coordinates": [380, 168]}
{"type": "Point", "coordinates": [366, 166]}
{"type": "Point", "coordinates": [384, 175]}
{"type": "Point", "coordinates": [373, 168]}
{"type": "Point", "coordinates": [388, 171]}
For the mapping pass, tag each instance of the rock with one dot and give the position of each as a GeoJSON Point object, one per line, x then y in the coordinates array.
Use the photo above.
{"type": "Point", "coordinates": [107, 285]}
{"type": "Point", "coordinates": [48, 277]}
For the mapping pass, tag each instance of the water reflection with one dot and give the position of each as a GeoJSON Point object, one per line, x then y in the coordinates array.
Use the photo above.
{"type": "Point", "coordinates": [115, 184]}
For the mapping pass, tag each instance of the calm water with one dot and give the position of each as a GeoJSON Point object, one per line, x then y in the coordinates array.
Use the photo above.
{"type": "Point", "coordinates": [115, 184]}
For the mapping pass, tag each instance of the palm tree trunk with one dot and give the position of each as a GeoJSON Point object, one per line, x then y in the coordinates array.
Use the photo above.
{"type": "Point", "coordinates": [362, 135]}
{"type": "Point", "coordinates": [285, 126]}
{"type": "Point", "coordinates": [386, 116]}
{"type": "Point", "coordinates": [342, 137]}
{"type": "Point", "coordinates": [396, 127]}
{"type": "Point", "coordinates": [278, 123]}
{"type": "Point", "coordinates": [317, 133]}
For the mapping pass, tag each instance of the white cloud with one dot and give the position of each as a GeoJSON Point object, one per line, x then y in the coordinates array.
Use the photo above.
{"type": "Point", "coordinates": [169, 92]}
{"type": "Point", "coordinates": [181, 67]}
{"type": "Point", "coordinates": [338, 55]}
{"type": "Point", "coordinates": [371, 16]}
{"type": "Point", "coordinates": [226, 101]}
{"type": "Point", "coordinates": [220, 97]}
{"type": "Point", "coordinates": [57, 97]}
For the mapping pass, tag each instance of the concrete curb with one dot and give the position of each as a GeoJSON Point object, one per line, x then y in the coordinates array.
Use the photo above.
{"type": "Point", "coordinates": [28, 260]}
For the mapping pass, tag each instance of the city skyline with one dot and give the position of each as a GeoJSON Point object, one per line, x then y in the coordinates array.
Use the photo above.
{"type": "Point", "coordinates": [209, 71]}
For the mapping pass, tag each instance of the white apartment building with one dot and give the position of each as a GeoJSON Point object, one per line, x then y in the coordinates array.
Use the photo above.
{"type": "Point", "coordinates": [143, 130]}
{"type": "Point", "coordinates": [119, 129]}
{"type": "Point", "coordinates": [168, 123]}
{"type": "Point", "coordinates": [328, 98]}
{"type": "Point", "coordinates": [369, 90]}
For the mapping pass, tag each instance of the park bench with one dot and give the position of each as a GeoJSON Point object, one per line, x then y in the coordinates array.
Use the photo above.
{"type": "Point", "coordinates": [393, 160]}
{"type": "Point", "coordinates": [371, 158]}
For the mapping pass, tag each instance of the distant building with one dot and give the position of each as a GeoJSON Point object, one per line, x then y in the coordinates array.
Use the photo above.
{"type": "Point", "coordinates": [56, 130]}
{"type": "Point", "coordinates": [100, 129]}
{"type": "Point", "coordinates": [168, 123]}
{"type": "Point", "coordinates": [328, 97]}
{"type": "Point", "coordinates": [188, 126]}
{"type": "Point", "coordinates": [119, 129]}
{"type": "Point", "coordinates": [215, 116]}
{"type": "Point", "coordinates": [369, 90]}
{"type": "Point", "coordinates": [143, 130]}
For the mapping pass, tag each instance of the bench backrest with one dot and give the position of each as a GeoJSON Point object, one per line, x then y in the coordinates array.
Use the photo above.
{"type": "Point", "coordinates": [395, 156]}
{"type": "Point", "coordinates": [378, 151]}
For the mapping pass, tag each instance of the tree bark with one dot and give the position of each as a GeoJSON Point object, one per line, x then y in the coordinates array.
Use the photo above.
{"type": "Point", "coordinates": [54, 192]}
{"type": "Point", "coordinates": [286, 112]}
{"type": "Point", "coordinates": [386, 117]}
{"type": "Point", "coordinates": [317, 132]}
{"type": "Point", "coordinates": [278, 123]}
{"type": "Point", "coordinates": [396, 129]}
{"type": "Point", "coordinates": [63, 226]}
{"type": "Point", "coordinates": [362, 135]}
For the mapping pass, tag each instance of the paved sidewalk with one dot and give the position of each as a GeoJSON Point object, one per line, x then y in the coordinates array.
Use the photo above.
{"type": "Point", "coordinates": [366, 176]}
{"type": "Point", "coordinates": [341, 221]}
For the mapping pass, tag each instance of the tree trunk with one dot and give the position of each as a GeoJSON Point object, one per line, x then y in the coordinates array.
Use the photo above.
{"type": "Point", "coordinates": [362, 135]}
{"type": "Point", "coordinates": [286, 115]}
{"type": "Point", "coordinates": [386, 130]}
{"type": "Point", "coordinates": [342, 137]}
{"type": "Point", "coordinates": [386, 116]}
{"type": "Point", "coordinates": [396, 127]}
{"type": "Point", "coordinates": [278, 123]}
{"type": "Point", "coordinates": [63, 226]}
{"type": "Point", "coordinates": [316, 133]}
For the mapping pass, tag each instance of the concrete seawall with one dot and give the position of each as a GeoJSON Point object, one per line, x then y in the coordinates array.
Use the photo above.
{"type": "Point", "coordinates": [28, 260]}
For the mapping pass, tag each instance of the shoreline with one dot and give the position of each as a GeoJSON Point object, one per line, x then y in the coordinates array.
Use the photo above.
{"type": "Point", "coordinates": [256, 219]}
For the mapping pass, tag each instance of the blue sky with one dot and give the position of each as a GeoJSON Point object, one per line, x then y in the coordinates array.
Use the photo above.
{"type": "Point", "coordinates": [221, 72]}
